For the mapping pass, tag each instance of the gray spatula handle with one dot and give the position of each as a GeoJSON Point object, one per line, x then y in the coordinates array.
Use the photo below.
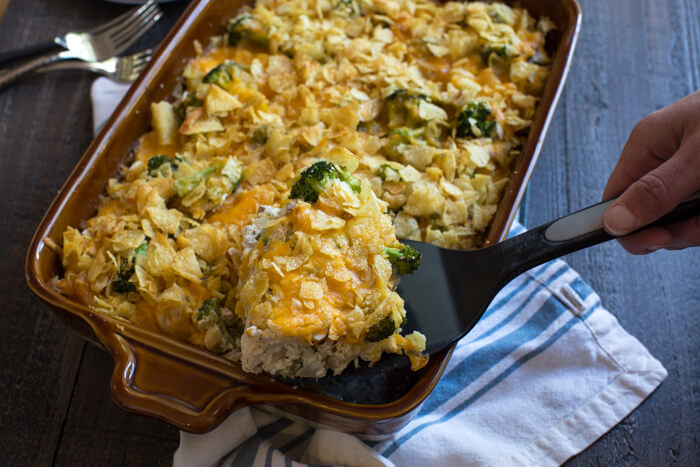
{"type": "Point", "coordinates": [574, 232]}
{"type": "Point", "coordinates": [590, 220]}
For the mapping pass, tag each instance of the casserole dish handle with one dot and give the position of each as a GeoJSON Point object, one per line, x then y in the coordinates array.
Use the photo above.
{"type": "Point", "coordinates": [149, 381]}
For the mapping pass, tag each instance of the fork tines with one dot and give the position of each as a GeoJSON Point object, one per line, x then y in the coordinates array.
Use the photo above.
{"type": "Point", "coordinates": [144, 9]}
{"type": "Point", "coordinates": [128, 68]}
{"type": "Point", "coordinates": [125, 29]}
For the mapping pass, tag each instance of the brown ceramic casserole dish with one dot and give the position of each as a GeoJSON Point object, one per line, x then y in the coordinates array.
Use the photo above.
{"type": "Point", "coordinates": [193, 389]}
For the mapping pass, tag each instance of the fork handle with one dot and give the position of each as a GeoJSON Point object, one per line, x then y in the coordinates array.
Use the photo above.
{"type": "Point", "coordinates": [13, 74]}
{"type": "Point", "coordinates": [571, 233]}
{"type": "Point", "coordinates": [29, 51]}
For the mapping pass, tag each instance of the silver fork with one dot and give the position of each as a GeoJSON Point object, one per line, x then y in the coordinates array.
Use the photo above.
{"type": "Point", "coordinates": [58, 43]}
{"type": "Point", "coordinates": [123, 69]}
{"type": "Point", "coordinates": [101, 43]}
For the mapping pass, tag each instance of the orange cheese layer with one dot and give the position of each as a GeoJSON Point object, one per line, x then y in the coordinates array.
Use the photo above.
{"type": "Point", "coordinates": [314, 318]}
{"type": "Point", "coordinates": [244, 205]}
{"type": "Point", "coordinates": [149, 147]}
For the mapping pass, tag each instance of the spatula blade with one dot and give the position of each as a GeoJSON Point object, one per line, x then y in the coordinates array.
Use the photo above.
{"type": "Point", "coordinates": [444, 297]}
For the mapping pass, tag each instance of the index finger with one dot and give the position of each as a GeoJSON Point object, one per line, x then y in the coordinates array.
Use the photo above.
{"type": "Point", "coordinates": [652, 142]}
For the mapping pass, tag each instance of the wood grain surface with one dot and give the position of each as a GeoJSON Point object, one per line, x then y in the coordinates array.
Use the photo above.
{"type": "Point", "coordinates": [633, 57]}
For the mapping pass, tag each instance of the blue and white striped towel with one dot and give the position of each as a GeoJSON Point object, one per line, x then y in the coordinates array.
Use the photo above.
{"type": "Point", "coordinates": [544, 374]}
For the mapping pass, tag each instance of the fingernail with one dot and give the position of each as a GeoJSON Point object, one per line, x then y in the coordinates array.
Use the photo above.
{"type": "Point", "coordinates": [620, 221]}
{"type": "Point", "coordinates": [652, 249]}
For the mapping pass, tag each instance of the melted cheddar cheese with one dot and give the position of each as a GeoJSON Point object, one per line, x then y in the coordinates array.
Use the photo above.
{"type": "Point", "coordinates": [427, 103]}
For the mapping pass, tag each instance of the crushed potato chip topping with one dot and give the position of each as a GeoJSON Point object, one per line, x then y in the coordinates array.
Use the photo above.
{"type": "Point", "coordinates": [427, 104]}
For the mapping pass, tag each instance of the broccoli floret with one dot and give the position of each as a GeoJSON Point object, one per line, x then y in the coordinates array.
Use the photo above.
{"type": "Point", "coordinates": [221, 74]}
{"type": "Point", "coordinates": [349, 6]}
{"type": "Point", "coordinates": [210, 309]}
{"type": "Point", "coordinates": [260, 135]}
{"type": "Point", "coordinates": [236, 30]}
{"type": "Point", "coordinates": [190, 100]}
{"type": "Point", "coordinates": [475, 120]}
{"type": "Point", "coordinates": [209, 306]}
{"type": "Point", "coordinates": [404, 260]}
{"type": "Point", "coordinates": [388, 173]}
{"type": "Point", "coordinates": [401, 136]}
{"type": "Point", "coordinates": [403, 108]}
{"type": "Point", "coordinates": [155, 162]}
{"type": "Point", "coordinates": [409, 109]}
{"type": "Point", "coordinates": [185, 185]}
{"type": "Point", "coordinates": [434, 223]}
{"type": "Point", "coordinates": [406, 135]}
{"type": "Point", "coordinates": [312, 180]}
{"type": "Point", "coordinates": [127, 268]}
{"type": "Point", "coordinates": [142, 250]}
{"type": "Point", "coordinates": [396, 94]}
{"type": "Point", "coordinates": [383, 329]}
{"type": "Point", "coordinates": [245, 28]}
{"type": "Point", "coordinates": [503, 52]}
{"type": "Point", "coordinates": [217, 188]}
{"type": "Point", "coordinates": [122, 284]}
{"type": "Point", "coordinates": [233, 171]}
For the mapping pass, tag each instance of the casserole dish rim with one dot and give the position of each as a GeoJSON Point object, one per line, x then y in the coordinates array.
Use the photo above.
{"type": "Point", "coordinates": [194, 389]}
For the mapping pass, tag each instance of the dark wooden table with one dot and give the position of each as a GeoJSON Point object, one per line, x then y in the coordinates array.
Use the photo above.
{"type": "Point", "coordinates": [633, 57]}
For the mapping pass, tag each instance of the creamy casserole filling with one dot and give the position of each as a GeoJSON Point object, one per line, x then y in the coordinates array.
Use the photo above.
{"type": "Point", "coordinates": [423, 106]}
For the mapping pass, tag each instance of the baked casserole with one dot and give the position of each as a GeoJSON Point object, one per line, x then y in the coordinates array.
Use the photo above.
{"type": "Point", "coordinates": [421, 108]}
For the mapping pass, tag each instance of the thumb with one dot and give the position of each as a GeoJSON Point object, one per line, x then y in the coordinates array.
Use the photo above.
{"type": "Point", "coordinates": [653, 195]}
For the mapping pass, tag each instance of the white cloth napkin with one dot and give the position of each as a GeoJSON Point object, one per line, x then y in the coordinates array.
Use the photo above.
{"type": "Point", "coordinates": [544, 374]}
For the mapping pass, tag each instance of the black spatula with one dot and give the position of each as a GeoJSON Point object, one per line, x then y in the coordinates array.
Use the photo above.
{"type": "Point", "coordinates": [451, 289]}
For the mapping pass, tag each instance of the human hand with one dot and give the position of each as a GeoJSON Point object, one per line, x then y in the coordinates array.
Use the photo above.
{"type": "Point", "coordinates": [659, 167]}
